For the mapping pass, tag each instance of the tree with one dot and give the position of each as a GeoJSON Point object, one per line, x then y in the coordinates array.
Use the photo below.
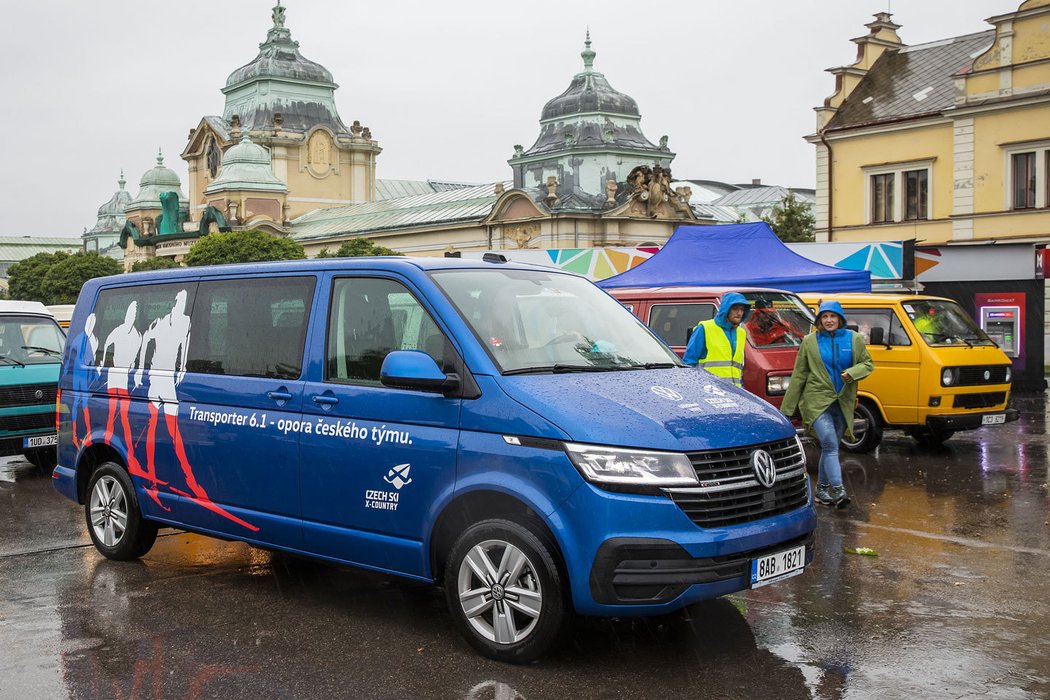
{"type": "Point", "coordinates": [356, 247]}
{"type": "Point", "coordinates": [792, 220]}
{"type": "Point", "coordinates": [24, 278]}
{"type": "Point", "coordinates": [62, 282]}
{"type": "Point", "coordinates": [154, 264]}
{"type": "Point", "coordinates": [251, 245]}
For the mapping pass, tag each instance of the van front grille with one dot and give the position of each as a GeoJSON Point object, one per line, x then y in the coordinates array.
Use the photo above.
{"type": "Point", "coordinates": [970, 376]}
{"type": "Point", "coordinates": [729, 492]}
{"type": "Point", "coordinates": [985, 400]}
{"type": "Point", "coordinates": [25, 395]}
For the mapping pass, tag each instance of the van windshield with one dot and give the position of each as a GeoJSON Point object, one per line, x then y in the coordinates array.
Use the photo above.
{"type": "Point", "coordinates": [534, 321]}
{"type": "Point", "coordinates": [943, 322]}
{"type": "Point", "coordinates": [30, 340]}
{"type": "Point", "coordinates": [778, 319]}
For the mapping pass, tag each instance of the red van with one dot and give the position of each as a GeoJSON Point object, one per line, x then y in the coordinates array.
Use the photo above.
{"type": "Point", "coordinates": [778, 322]}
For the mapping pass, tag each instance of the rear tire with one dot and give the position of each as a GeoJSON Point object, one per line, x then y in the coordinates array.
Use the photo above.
{"type": "Point", "coordinates": [506, 591]}
{"type": "Point", "coordinates": [114, 521]}
{"type": "Point", "coordinates": [868, 437]}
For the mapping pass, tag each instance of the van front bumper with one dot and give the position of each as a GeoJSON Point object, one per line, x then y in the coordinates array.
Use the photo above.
{"type": "Point", "coordinates": [967, 421]}
{"type": "Point", "coordinates": [632, 571]}
{"type": "Point", "coordinates": [633, 555]}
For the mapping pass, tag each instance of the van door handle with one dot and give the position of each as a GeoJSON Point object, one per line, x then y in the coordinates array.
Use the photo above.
{"type": "Point", "coordinates": [325, 400]}
{"type": "Point", "coordinates": [279, 395]}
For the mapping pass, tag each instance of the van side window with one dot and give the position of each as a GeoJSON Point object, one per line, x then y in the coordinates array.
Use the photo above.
{"type": "Point", "coordinates": [368, 319]}
{"type": "Point", "coordinates": [251, 327]}
{"type": "Point", "coordinates": [866, 319]}
{"type": "Point", "coordinates": [133, 310]}
{"type": "Point", "coordinates": [674, 322]}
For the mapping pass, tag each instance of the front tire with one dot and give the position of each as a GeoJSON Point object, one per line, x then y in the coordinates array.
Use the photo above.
{"type": "Point", "coordinates": [114, 521]}
{"type": "Point", "coordinates": [506, 591]}
{"type": "Point", "coordinates": [867, 438]}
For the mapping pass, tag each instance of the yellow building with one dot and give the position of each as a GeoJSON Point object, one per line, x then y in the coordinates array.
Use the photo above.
{"type": "Point", "coordinates": [948, 144]}
{"type": "Point", "coordinates": [945, 142]}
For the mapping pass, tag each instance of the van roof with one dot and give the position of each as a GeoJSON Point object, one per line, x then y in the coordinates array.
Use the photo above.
{"type": "Point", "coordinates": [861, 299]}
{"type": "Point", "coordinates": [389, 263]}
{"type": "Point", "coordinates": [23, 307]}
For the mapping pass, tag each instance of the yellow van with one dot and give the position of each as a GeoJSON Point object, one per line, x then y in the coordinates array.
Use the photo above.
{"type": "Point", "coordinates": [936, 371]}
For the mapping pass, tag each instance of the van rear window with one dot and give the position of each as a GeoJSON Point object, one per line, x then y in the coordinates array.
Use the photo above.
{"type": "Point", "coordinates": [674, 322]}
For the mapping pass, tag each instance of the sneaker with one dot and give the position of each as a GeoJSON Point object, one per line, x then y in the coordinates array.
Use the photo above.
{"type": "Point", "coordinates": [839, 497]}
{"type": "Point", "coordinates": [823, 494]}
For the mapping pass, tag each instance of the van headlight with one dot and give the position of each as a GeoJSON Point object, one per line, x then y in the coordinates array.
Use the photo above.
{"type": "Point", "coordinates": [776, 386]}
{"type": "Point", "coordinates": [1006, 379]}
{"type": "Point", "coordinates": [613, 465]}
{"type": "Point", "coordinates": [948, 376]}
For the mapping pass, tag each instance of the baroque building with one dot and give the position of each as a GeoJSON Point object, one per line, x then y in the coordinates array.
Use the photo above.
{"type": "Point", "coordinates": [280, 158]}
{"type": "Point", "coordinates": [945, 144]}
{"type": "Point", "coordinates": [591, 178]}
{"type": "Point", "coordinates": [279, 150]}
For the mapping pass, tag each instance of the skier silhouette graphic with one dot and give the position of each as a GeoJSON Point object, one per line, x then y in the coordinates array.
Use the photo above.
{"type": "Point", "coordinates": [169, 338]}
{"type": "Point", "coordinates": [126, 343]}
{"type": "Point", "coordinates": [84, 374]}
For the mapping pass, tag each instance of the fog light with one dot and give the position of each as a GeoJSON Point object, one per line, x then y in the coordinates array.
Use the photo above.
{"type": "Point", "coordinates": [935, 400]}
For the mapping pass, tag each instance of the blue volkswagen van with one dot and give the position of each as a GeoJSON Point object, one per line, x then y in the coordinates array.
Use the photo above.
{"type": "Point", "coordinates": [509, 432]}
{"type": "Point", "coordinates": [30, 354]}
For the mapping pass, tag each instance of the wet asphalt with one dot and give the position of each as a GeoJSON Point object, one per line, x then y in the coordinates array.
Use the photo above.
{"type": "Point", "coordinates": [955, 605]}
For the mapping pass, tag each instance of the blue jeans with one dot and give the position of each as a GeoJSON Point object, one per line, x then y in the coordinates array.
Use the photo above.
{"type": "Point", "coordinates": [830, 426]}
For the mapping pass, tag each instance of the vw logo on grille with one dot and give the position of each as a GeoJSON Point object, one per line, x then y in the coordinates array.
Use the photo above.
{"type": "Point", "coordinates": [987, 375]}
{"type": "Point", "coordinates": [764, 467]}
{"type": "Point", "coordinates": [38, 394]}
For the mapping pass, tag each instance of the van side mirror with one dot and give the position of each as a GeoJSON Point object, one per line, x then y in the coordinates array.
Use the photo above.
{"type": "Point", "coordinates": [878, 336]}
{"type": "Point", "coordinates": [414, 369]}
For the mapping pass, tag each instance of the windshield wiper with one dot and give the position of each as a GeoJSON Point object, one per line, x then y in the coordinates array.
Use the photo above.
{"type": "Point", "coordinates": [560, 369]}
{"type": "Point", "coordinates": [12, 360]}
{"type": "Point", "coordinates": [650, 365]}
{"type": "Point", "coordinates": [46, 351]}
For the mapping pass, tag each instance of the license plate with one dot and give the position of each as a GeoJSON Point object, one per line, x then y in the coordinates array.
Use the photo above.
{"type": "Point", "coordinates": [778, 566]}
{"type": "Point", "coordinates": [39, 441]}
{"type": "Point", "coordinates": [993, 419]}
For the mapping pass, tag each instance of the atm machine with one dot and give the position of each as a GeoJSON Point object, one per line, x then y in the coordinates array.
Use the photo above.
{"type": "Point", "coordinates": [1003, 325]}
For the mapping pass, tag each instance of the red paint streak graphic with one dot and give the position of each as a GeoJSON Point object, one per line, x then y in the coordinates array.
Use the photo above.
{"type": "Point", "coordinates": [200, 496]}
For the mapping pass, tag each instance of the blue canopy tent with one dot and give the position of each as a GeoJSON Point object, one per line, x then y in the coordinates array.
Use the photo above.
{"type": "Point", "coordinates": [736, 255]}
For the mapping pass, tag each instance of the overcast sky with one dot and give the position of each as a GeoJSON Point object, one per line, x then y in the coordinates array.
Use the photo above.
{"type": "Point", "coordinates": [447, 88]}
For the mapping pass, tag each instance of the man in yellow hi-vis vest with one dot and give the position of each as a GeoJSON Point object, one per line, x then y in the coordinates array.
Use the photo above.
{"type": "Point", "coordinates": [717, 345]}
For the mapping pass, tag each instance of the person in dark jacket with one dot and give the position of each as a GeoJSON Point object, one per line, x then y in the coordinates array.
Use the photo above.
{"type": "Point", "coordinates": [823, 388]}
{"type": "Point", "coordinates": [717, 344]}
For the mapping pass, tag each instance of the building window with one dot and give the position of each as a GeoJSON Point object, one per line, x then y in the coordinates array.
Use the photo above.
{"type": "Point", "coordinates": [899, 192]}
{"type": "Point", "coordinates": [882, 198]}
{"type": "Point", "coordinates": [916, 195]}
{"type": "Point", "coordinates": [1027, 176]}
{"type": "Point", "coordinates": [1023, 172]}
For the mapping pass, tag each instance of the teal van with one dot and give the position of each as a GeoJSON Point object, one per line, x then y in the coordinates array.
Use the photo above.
{"type": "Point", "coordinates": [30, 356]}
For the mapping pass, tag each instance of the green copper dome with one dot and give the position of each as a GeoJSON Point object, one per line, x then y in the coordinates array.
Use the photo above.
{"type": "Point", "coordinates": [154, 181]}
{"type": "Point", "coordinates": [246, 166]}
{"type": "Point", "coordinates": [281, 82]}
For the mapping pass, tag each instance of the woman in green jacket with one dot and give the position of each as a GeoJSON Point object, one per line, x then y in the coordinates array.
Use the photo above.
{"type": "Point", "coordinates": [823, 388]}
